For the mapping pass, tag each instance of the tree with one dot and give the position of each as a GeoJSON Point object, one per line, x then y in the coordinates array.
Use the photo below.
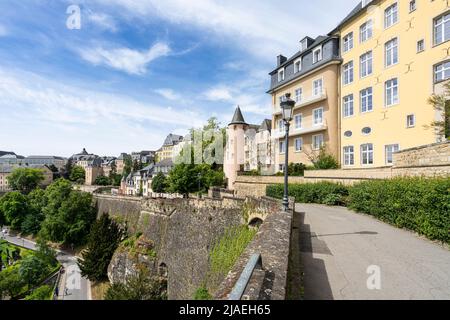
{"type": "Point", "coordinates": [14, 207]}
{"type": "Point", "coordinates": [41, 293]}
{"type": "Point", "coordinates": [33, 220]}
{"type": "Point", "coordinates": [137, 165]}
{"type": "Point", "coordinates": [441, 104]}
{"type": "Point", "coordinates": [25, 179]}
{"type": "Point", "coordinates": [32, 270]}
{"type": "Point", "coordinates": [104, 238]}
{"type": "Point", "coordinates": [128, 166]}
{"type": "Point", "coordinates": [46, 254]}
{"type": "Point", "coordinates": [11, 283]}
{"type": "Point", "coordinates": [139, 287]}
{"type": "Point", "coordinates": [322, 160]}
{"type": "Point", "coordinates": [159, 183]}
{"type": "Point", "coordinates": [102, 181]}
{"type": "Point", "coordinates": [116, 179]}
{"type": "Point", "coordinates": [68, 169]}
{"type": "Point", "coordinates": [77, 174]}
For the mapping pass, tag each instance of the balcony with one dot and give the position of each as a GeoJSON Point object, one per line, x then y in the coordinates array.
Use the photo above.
{"type": "Point", "coordinates": [299, 132]}
{"type": "Point", "coordinates": [306, 100]}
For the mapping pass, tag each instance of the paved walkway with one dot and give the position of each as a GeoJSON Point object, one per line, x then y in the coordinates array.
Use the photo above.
{"type": "Point", "coordinates": [338, 246]}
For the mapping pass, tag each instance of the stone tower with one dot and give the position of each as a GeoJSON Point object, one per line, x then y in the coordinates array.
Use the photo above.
{"type": "Point", "coordinates": [234, 155]}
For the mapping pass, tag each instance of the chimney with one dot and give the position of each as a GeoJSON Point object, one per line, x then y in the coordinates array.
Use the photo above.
{"type": "Point", "coordinates": [280, 60]}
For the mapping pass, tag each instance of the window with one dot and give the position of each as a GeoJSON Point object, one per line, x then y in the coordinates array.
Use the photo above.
{"type": "Point", "coordinates": [365, 31]}
{"type": "Point", "coordinates": [391, 52]}
{"type": "Point", "coordinates": [367, 154]}
{"type": "Point", "coordinates": [348, 106]}
{"type": "Point", "coordinates": [318, 116]}
{"type": "Point", "coordinates": [348, 73]}
{"type": "Point", "coordinates": [420, 46]}
{"type": "Point", "coordinates": [298, 121]}
{"type": "Point", "coordinates": [317, 87]}
{"type": "Point", "coordinates": [298, 95]}
{"type": "Point", "coordinates": [281, 126]}
{"type": "Point", "coordinates": [317, 55]}
{"type": "Point", "coordinates": [391, 92]}
{"type": "Point", "coordinates": [366, 64]}
{"type": "Point", "coordinates": [298, 145]}
{"type": "Point", "coordinates": [348, 42]}
{"type": "Point", "coordinates": [366, 100]}
{"type": "Point", "coordinates": [349, 156]}
{"type": "Point", "coordinates": [366, 131]}
{"type": "Point", "coordinates": [280, 75]}
{"type": "Point", "coordinates": [442, 71]}
{"type": "Point", "coordinates": [389, 152]}
{"type": "Point", "coordinates": [412, 5]}
{"type": "Point", "coordinates": [297, 65]}
{"type": "Point", "coordinates": [317, 142]}
{"type": "Point", "coordinates": [282, 147]}
{"type": "Point", "coordinates": [410, 121]}
{"type": "Point", "coordinates": [442, 29]}
{"type": "Point", "coordinates": [348, 134]}
{"type": "Point", "coordinates": [281, 167]}
{"type": "Point", "coordinates": [391, 16]}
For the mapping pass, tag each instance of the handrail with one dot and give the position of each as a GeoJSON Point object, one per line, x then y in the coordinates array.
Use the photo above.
{"type": "Point", "coordinates": [254, 262]}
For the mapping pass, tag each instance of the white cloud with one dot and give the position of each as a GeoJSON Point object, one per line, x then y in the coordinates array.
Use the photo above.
{"type": "Point", "coordinates": [125, 59]}
{"type": "Point", "coordinates": [103, 21]}
{"type": "Point", "coordinates": [218, 94]}
{"type": "Point", "coordinates": [169, 94]}
{"type": "Point", "coordinates": [3, 31]}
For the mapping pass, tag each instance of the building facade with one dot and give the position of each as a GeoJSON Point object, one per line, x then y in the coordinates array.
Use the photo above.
{"type": "Point", "coordinates": [311, 78]}
{"type": "Point", "coordinates": [166, 151]}
{"type": "Point", "coordinates": [395, 56]}
{"type": "Point", "coordinates": [6, 170]}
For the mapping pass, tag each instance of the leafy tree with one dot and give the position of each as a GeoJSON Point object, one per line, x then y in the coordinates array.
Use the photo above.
{"type": "Point", "coordinates": [159, 183]}
{"type": "Point", "coordinates": [68, 169]}
{"type": "Point", "coordinates": [11, 282]}
{"type": "Point", "coordinates": [25, 179]}
{"type": "Point", "coordinates": [14, 207]}
{"type": "Point", "coordinates": [104, 238]}
{"type": "Point", "coordinates": [77, 174]}
{"type": "Point", "coordinates": [441, 104]}
{"type": "Point", "coordinates": [139, 287]}
{"type": "Point", "coordinates": [323, 160]}
{"type": "Point", "coordinates": [137, 165]}
{"type": "Point", "coordinates": [41, 293]}
{"type": "Point", "coordinates": [32, 270]}
{"type": "Point", "coordinates": [33, 220]}
{"type": "Point", "coordinates": [128, 165]}
{"type": "Point", "coordinates": [115, 179]}
{"type": "Point", "coordinates": [102, 181]}
{"type": "Point", "coordinates": [46, 254]}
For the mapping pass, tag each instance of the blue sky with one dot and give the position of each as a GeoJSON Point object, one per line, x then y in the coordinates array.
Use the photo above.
{"type": "Point", "coordinates": [140, 69]}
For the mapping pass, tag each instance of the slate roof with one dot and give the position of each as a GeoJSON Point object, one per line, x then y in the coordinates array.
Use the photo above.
{"type": "Point", "coordinates": [238, 118]}
{"type": "Point", "coordinates": [165, 163]}
{"type": "Point", "coordinates": [266, 125]}
{"type": "Point", "coordinates": [173, 139]}
{"type": "Point", "coordinates": [354, 13]}
{"type": "Point", "coordinates": [2, 153]}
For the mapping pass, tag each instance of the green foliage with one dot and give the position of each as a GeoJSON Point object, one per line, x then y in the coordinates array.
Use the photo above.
{"type": "Point", "coordinates": [46, 254]}
{"type": "Point", "coordinates": [418, 204]}
{"type": "Point", "coordinates": [14, 207]}
{"type": "Point", "coordinates": [128, 165]}
{"type": "Point", "coordinates": [325, 161]}
{"type": "Point", "coordinates": [11, 282]}
{"type": "Point", "coordinates": [115, 179]}
{"type": "Point", "coordinates": [296, 169]}
{"type": "Point", "coordinates": [227, 250]}
{"type": "Point", "coordinates": [9, 254]}
{"type": "Point", "coordinates": [32, 270]}
{"type": "Point", "coordinates": [441, 105]}
{"type": "Point", "coordinates": [323, 192]}
{"type": "Point", "coordinates": [33, 220]}
{"type": "Point", "coordinates": [202, 293]}
{"type": "Point", "coordinates": [77, 174]}
{"type": "Point", "coordinates": [25, 179]}
{"type": "Point", "coordinates": [102, 181]}
{"type": "Point", "coordinates": [139, 287]}
{"type": "Point", "coordinates": [41, 293]}
{"type": "Point", "coordinates": [159, 183]}
{"type": "Point", "coordinates": [104, 238]}
{"type": "Point", "coordinates": [251, 173]}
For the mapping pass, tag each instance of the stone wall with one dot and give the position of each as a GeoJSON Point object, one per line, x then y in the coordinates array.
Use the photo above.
{"type": "Point", "coordinates": [182, 230]}
{"type": "Point", "coordinates": [249, 186]}
{"type": "Point", "coordinates": [430, 155]}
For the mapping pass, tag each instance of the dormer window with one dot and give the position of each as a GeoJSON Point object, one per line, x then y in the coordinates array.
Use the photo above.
{"type": "Point", "coordinates": [280, 75]}
{"type": "Point", "coordinates": [317, 55]}
{"type": "Point", "coordinates": [298, 65]}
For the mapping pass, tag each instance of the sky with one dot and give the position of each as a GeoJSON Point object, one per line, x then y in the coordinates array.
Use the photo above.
{"type": "Point", "coordinates": [136, 70]}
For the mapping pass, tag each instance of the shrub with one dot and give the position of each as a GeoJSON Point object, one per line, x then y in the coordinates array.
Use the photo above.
{"type": "Point", "coordinates": [418, 204]}
{"type": "Point", "coordinates": [325, 161]}
{"type": "Point", "coordinates": [202, 294]}
{"type": "Point", "coordinates": [41, 293]}
{"type": "Point", "coordinates": [323, 192]}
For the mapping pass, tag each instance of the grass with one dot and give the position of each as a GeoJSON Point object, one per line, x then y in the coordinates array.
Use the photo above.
{"type": "Point", "coordinates": [99, 289]}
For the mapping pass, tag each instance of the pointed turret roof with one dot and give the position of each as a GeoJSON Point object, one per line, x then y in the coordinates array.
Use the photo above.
{"type": "Point", "coordinates": [238, 118]}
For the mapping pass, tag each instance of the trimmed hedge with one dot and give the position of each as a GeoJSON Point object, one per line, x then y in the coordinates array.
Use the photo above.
{"type": "Point", "coordinates": [323, 192]}
{"type": "Point", "coordinates": [418, 204]}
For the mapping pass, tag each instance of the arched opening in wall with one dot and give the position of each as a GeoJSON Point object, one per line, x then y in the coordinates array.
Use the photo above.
{"type": "Point", "coordinates": [163, 271]}
{"type": "Point", "coordinates": [255, 223]}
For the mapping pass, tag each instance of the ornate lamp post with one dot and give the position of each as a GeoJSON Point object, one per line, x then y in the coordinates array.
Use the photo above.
{"type": "Point", "coordinates": [287, 108]}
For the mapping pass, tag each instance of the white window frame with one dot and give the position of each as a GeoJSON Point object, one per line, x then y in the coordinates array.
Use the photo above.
{"type": "Point", "coordinates": [444, 67]}
{"type": "Point", "coordinates": [408, 123]}
{"type": "Point", "coordinates": [296, 117]}
{"type": "Point", "coordinates": [282, 146]}
{"type": "Point", "coordinates": [316, 92]}
{"type": "Point", "coordinates": [281, 75]}
{"type": "Point", "coordinates": [348, 109]}
{"type": "Point", "coordinates": [320, 56]}
{"type": "Point", "coordinates": [394, 101]}
{"type": "Point", "coordinates": [316, 111]}
{"type": "Point", "coordinates": [301, 144]}
{"type": "Point", "coordinates": [367, 150]}
{"type": "Point", "coordinates": [314, 146]}
{"type": "Point", "coordinates": [349, 156]}
{"type": "Point", "coordinates": [366, 31]}
{"type": "Point", "coordinates": [364, 98]}
{"type": "Point", "coordinates": [348, 72]}
{"type": "Point", "coordinates": [366, 64]}
{"type": "Point", "coordinates": [391, 51]}
{"type": "Point", "coordinates": [391, 15]}
{"type": "Point", "coordinates": [281, 126]}
{"type": "Point", "coordinates": [445, 19]}
{"type": "Point", "coordinates": [419, 48]}
{"type": "Point", "coordinates": [298, 65]}
{"type": "Point", "coordinates": [298, 98]}
{"type": "Point", "coordinates": [347, 42]}
{"type": "Point", "coordinates": [390, 152]}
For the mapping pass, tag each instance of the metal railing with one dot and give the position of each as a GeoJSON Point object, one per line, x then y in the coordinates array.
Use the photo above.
{"type": "Point", "coordinates": [254, 262]}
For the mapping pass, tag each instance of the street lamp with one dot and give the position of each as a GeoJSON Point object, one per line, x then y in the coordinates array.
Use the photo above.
{"type": "Point", "coordinates": [287, 108]}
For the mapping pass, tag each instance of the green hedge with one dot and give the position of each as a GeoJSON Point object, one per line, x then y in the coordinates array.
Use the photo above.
{"type": "Point", "coordinates": [418, 204]}
{"type": "Point", "coordinates": [323, 192]}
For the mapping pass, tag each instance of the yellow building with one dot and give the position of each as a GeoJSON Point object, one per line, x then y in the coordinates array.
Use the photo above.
{"type": "Point", "coordinates": [167, 150]}
{"type": "Point", "coordinates": [395, 56]}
